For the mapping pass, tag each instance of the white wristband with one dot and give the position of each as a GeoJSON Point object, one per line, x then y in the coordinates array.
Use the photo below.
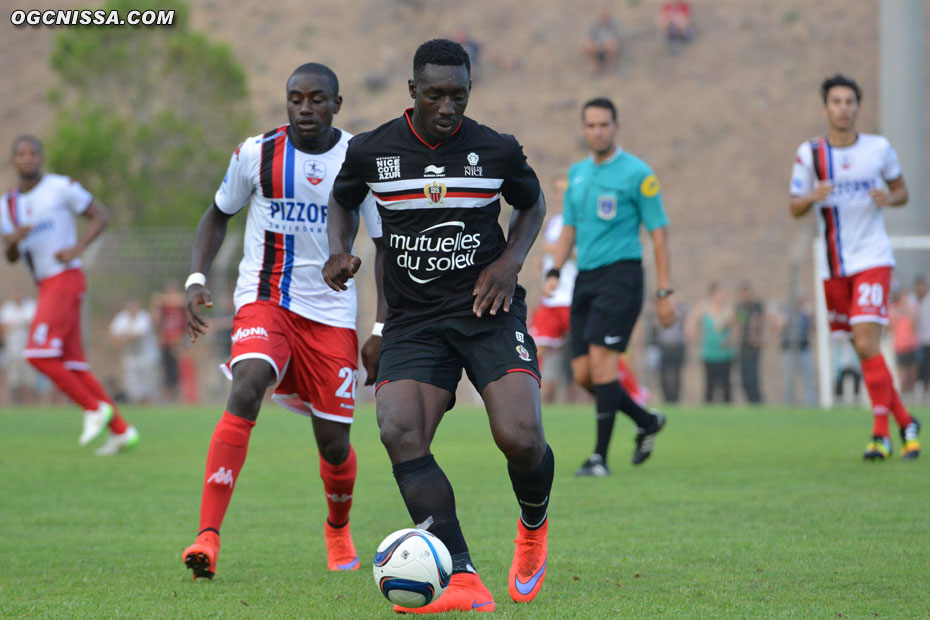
{"type": "Point", "coordinates": [377, 329]}
{"type": "Point", "coordinates": [195, 278]}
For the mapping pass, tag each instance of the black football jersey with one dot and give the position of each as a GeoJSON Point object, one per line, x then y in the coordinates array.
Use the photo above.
{"type": "Point", "coordinates": [439, 206]}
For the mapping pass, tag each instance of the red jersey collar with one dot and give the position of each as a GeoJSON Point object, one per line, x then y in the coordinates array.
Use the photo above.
{"type": "Point", "coordinates": [407, 113]}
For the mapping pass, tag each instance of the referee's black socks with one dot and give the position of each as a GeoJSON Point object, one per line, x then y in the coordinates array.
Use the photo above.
{"type": "Point", "coordinates": [532, 490]}
{"type": "Point", "coordinates": [608, 397]}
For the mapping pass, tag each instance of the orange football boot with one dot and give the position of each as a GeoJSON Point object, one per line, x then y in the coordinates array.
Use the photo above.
{"type": "Point", "coordinates": [340, 550]}
{"type": "Point", "coordinates": [528, 570]}
{"type": "Point", "coordinates": [465, 592]}
{"type": "Point", "coordinates": [202, 555]}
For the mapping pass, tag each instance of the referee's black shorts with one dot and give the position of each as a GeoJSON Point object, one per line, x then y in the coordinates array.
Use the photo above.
{"type": "Point", "coordinates": [487, 348]}
{"type": "Point", "coordinates": [605, 305]}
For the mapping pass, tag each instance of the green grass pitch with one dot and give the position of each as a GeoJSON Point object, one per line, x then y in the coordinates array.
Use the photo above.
{"type": "Point", "coordinates": [740, 513]}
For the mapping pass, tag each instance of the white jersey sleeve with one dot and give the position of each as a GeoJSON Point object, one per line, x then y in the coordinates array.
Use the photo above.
{"type": "Point", "coordinates": [891, 168]}
{"type": "Point", "coordinates": [369, 211]}
{"type": "Point", "coordinates": [76, 198]}
{"type": "Point", "coordinates": [240, 179]}
{"type": "Point", "coordinates": [6, 224]}
{"type": "Point", "coordinates": [802, 174]}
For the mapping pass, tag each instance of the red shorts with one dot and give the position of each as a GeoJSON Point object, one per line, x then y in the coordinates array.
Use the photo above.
{"type": "Point", "coordinates": [316, 365]}
{"type": "Point", "coordinates": [56, 327]}
{"type": "Point", "coordinates": [858, 298]}
{"type": "Point", "coordinates": [550, 325]}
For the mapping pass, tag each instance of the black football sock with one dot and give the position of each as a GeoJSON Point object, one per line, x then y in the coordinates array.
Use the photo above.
{"type": "Point", "coordinates": [431, 504]}
{"type": "Point", "coordinates": [532, 490]}
{"type": "Point", "coordinates": [623, 402]}
{"type": "Point", "coordinates": [605, 402]}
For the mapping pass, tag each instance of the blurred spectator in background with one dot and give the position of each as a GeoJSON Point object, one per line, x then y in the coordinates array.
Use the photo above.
{"type": "Point", "coordinates": [134, 333]}
{"type": "Point", "coordinates": [923, 334]}
{"type": "Point", "coordinates": [711, 321]}
{"type": "Point", "coordinates": [796, 326]}
{"type": "Point", "coordinates": [168, 307]}
{"type": "Point", "coordinates": [750, 322]}
{"type": "Point", "coordinates": [902, 316]}
{"type": "Point", "coordinates": [672, 345]}
{"type": "Point", "coordinates": [675, 24]}
{"type": "Point", "coordinates": [550, 323]}
{"type": "Point", "coordinates": [15, 319]}
{"type": "Point", "coordinates": [846, 369]}
{"type": "Point", "coordinates": [472, 47]}
{"type": "Point", "coordinates": [602, 47]}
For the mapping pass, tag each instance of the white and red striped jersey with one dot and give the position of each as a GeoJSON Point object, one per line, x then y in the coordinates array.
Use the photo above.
{"type": "Point", "coordinates": [849, 221]}
{"type": "Point", "coordinates": [286, 242]}
{"type": "Point", "coordinates": [49, 208]}
{"type": "Point", "coordinates": [563, 294]}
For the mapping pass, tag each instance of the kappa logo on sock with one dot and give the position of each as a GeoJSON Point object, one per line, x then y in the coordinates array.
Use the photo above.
{"type": "Point", "coordinates": [222, 476]}
{"type": "Point", "coordinates": [339, 499]}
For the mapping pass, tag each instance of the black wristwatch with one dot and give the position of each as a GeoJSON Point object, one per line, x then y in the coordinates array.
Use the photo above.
{"type": "Point", "coordinates": [662, 293]}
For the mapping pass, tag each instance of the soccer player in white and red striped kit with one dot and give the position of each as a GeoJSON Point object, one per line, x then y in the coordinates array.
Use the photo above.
{"type": "Point", "coordinates": [37, 224]}
{"type": "Point", "coordinates": [290, 329]}
{"type": "Point", "coordinates": [848, 177]}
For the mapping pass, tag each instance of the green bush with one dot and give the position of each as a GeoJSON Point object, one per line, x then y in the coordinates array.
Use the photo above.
{"type": "Point", "coordinates": [146, 117]}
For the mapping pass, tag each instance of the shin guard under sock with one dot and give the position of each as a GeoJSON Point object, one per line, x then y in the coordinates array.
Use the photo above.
{"type": "Point", "coordinates": [338, 483]}
{"type": "Point", "coordinates": [532, 490]}
{"type": "Point", "coordinates": [225, 458]}
{"type": "Point", "coordinates": [880, 385]}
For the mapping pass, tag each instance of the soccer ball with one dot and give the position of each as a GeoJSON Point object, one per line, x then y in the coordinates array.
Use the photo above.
{"type": "Point", "coordinates": [412, 567]}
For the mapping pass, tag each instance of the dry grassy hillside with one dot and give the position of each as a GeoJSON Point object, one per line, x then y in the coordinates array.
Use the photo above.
{"type": "Point", "coordinates": [719, 122]}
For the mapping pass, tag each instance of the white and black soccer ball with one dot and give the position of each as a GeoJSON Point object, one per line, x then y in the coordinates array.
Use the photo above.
{"type": "Point", "coordinates": [412, 567]}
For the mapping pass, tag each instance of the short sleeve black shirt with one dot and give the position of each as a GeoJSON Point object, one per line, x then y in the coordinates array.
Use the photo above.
{"type": "Point", "coordinates": [439, 207]}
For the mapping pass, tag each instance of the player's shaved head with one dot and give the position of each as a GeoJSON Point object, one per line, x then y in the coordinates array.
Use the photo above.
{"type": "Point", "coordinates": [315, 68]}
{"type": "Point", "coordinates": [442, 52]}
{"type": "Point", "coordinates": [27, 157]}
{"type": "Point", "coordinates": [31, 139]}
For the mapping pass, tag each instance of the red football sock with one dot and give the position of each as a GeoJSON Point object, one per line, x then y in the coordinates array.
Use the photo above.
{"type": "Point", "coordinates": [628, 379]}
{"type": "Point", "coordinates": [338, 482]}
{"type": "Point", "coordinates": [901, 415]}
{"type": "Point", "coordinates": [225, 457]}
{"type": "Point", "coordinates": [64, 380]}
{"type": "Point", "coordinates": [880, 385]}
{"type": "Point", "coordinates": [117, 423]}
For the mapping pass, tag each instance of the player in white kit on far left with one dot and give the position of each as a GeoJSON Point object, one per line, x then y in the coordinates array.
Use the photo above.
{"type": "Point", "coordinates": [849, 177]}
{"type": "Point", "coordinates": [290, 328]}
{"type": "Point", "coordinates": [37, 224]}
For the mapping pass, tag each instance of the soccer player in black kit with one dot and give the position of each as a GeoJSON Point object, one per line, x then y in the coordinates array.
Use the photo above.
{"type": "Point", "coordinates": [450, 279]}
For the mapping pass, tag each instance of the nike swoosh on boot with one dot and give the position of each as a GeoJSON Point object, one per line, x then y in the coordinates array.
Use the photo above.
{"type": "Point", "coordinates": [526, 588]}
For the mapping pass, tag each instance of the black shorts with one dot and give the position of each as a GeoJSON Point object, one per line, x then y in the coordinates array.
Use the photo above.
{"type": "Point", "coordinates": [605, 305]}
{"type": "Point", "coordinates": [906, 359]}
{"type": "Point", "coordinates": [923, 368]}
{"type": "Point", "coordinates": [487, 348]}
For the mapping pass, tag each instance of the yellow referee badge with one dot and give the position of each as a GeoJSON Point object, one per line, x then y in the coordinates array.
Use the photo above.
{"type": "Point", "coordinates": [650, 186]}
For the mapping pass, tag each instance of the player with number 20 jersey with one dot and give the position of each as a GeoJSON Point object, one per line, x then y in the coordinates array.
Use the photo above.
{"type": "Point", "coordinates": [848, 178]}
